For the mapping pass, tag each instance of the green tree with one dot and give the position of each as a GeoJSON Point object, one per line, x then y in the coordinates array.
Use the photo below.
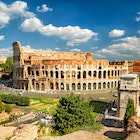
{"type": "Point", "coordinates": [129, 111]}
{"type": "Point", "coordinates": [1, 106]}
{"type": "Point", "coordinates": [72, 112]}
{"type": "Point", "coordinates": [8, 66]}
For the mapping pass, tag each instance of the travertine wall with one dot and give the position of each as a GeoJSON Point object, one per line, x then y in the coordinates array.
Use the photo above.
{"type": "Point", "coordinates": [46, 70]}
{"type": "Point", "coordinates": [129, 88]}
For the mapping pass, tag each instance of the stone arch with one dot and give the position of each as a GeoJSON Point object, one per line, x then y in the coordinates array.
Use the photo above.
{"type": "Point", "coordinates": [51, 73]}
{"type": "Point", "coordinates": [108, 84]}
{"type": "Point", "coordinates": [56, 74]}
{"type": "Point", "coordinates": [84, 86]}
{"type": "Point", "coordinates": [104, 85]}
{"type": "Point", "coordinates": [78, 75]}
{"type": "Point", "coordinates": [112, 84]}
{"type": "Point", "coordinates": [99, 85]}
{"type": "Point", "coordinates": [62, 86]}
{"type": "Point", "coordinates": [42, 87]}
{"type": "Point", "coordinates": [67, 87]}
{"type": "Point", "coordinates": [89, 86]}
{"type": "Point", "coordinates": [79, 86]}
{"type": "Point", "coordinates": [84, 74]}
{"type": "Point", "coordinates": [37, 86]}
{"type": "Point", "coordinates": [51, 85]}
{"type": "Point", "coordinates": [94, 85]}
{"type": "Point", "coordinates": [56, 86]}
{"type": "Point", "coordinates": [104, 74]}
{"type": "Point", "coordinates": [73, 86]}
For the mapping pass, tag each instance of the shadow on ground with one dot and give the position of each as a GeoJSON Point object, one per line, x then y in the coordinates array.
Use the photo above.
{"type": "Point", "coordinates": [116, 135]}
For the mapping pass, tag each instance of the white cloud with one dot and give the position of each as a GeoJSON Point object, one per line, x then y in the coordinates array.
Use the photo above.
{"type": "Point", "coordinates": [138, 17]}
{"type": "Point", "coordinates": [94, 48]}
{"type": "Point", "coordinates": [116, 33]}
{"type": "Point", "coordinates": [1, 37]}
{"type": "Point", "coordinates": [31, 24]}
{"type": "Point", "coordinates": [127, 48]}
{"type": "Point", "coordinates": [57, 49]}
{"type": "Point", "coordinates": [11, 11]}
{"type": "Point", "coordinates": [6, 52]}
{"type": "Point", "coordinates": [74, 35]}
{"type": "Point", "coordinates": [44, 7]}
{"type": "Point", "coordinates": [75, 50]}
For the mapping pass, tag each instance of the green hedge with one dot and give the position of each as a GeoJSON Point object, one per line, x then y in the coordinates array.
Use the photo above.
{"type": "Point", "coordinates": [15, 99]}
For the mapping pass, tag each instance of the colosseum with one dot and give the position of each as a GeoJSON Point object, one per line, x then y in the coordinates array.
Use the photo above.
{"type": "Point", "coordinates": [38, 70]}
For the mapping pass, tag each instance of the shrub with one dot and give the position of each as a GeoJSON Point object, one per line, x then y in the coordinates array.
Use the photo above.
{"type": "Point", "coordinates": [15, 99]}
{"type": "Point", "coordinates": [7, 108]}
{"type": "Point", "coordinates": [72, 112]}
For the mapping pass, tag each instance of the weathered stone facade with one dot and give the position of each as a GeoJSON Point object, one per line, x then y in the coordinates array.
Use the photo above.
{"type": "Point", "coordinates": [129, 88]}
{"type": "Point", "coordinates": [37, 70]}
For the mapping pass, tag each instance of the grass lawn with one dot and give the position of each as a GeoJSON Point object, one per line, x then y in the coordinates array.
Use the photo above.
{"type": "Point", "coordinates": [46, 105]}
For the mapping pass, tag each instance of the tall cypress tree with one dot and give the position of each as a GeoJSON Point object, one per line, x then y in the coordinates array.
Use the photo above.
{"type": "Point", "coordinates": [129, 111]}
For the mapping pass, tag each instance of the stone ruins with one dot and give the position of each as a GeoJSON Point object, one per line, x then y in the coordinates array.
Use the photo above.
{"type": "Point", "coordinates": [38, 70]}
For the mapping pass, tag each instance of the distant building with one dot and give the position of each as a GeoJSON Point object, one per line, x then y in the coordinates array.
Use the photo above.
{"type": "Point", "coordinates": [2, 60]}
{"type": "Point", "coordinates": [38, 70]}
{"type": "Point", "coordinates": [136, 66]}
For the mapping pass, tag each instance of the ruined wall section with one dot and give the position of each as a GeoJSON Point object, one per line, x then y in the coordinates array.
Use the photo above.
{"type": "Point", "coordinates": [37, 70]}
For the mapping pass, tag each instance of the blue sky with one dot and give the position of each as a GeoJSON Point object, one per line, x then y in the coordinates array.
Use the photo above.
{"type": "Point", "coordinates": [110, 29]}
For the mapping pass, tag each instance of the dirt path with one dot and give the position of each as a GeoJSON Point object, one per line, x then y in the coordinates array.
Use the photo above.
{"type": "Point", "coordinates": [106, 133]}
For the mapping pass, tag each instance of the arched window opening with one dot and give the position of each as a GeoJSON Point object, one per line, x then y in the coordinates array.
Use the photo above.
{"type": "Point", "coordinates": [84, 86]}
{"type": "Point", "coordinates": [46, 73]}
{"type": "Point", "coordinates": [33, 83]}
{"type": "Point", "coordinates": [62, 74]}
{"type": "Point", "coordinates": [84, 74]}
{"type": "Point", "coordinates": [78, 86]}
{"type": "Point", "coordinates": [94, 74]}
{"type": "Point", "coordinates": [29, 70]}
{"type": "Point", "coordinates": [104, 85]}
{"type": "Point", "coordinates": [51, 85]}
{"type": "Point", "coordinates": [73, 74]}
{"type": "Point", "coordinates": [111, 84]}
{"type": "Point", "coordinates": [73, 86]}
{"type": "Point", "coordinates": [57, 86]}
{"type": "Point", "coordinates": [62, 86]}
{"type": "Point", "coordinates": [94, 85]}
{"type": "Point", "coordinates": [115, 73]}
{"type": "Point", "coordinates": [99, 85]}
{"type": "Point", "coordinates": [37, 86]}
{"type": "Point", "coordinates": [56, 74]}
{"type": "Point", "coordinates": [89, 86]}
{"type": "Point", "coordinates": [108, 85]}
{"type": "Point", "coordinates": [112, 73]}
{"type": "Point", "coordinates": [37, 73]}
{"type": "Point", "coordinates": [67, 87]}
{"type": "Point", "coordinates": [108, 73]}
{"type": "Point", "coordinates": [51, 73]}
{"type": "Point", "coordinates": [104, 74]}
{"type": "Point", "coordinates": [42, 87]}
{"type": "Point", "coordinates": [89, 73]}
{"type": "Point", "coordinates": [115, 84]}
{"type": "Point", "coordinates": [100, 68]}
{"type": "Point", "coordinates": [100, 74]}
{"type": "Point", "coordinates": [79, 75]}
